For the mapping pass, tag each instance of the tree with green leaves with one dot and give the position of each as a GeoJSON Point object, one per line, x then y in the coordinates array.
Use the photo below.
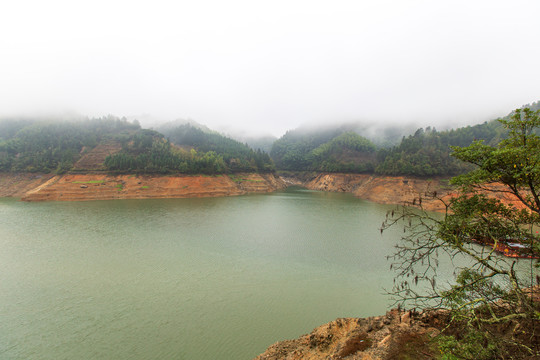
{"type": "Point", "coordinates": [491, 291]}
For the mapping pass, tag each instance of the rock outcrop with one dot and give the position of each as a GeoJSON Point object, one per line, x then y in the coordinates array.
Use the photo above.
{"type": "Point", "coordinates": [375, 338]}
{"type": "Point", "coordinates": [385, 189]}
{"type": "Point", "coordinates": [432, 194]}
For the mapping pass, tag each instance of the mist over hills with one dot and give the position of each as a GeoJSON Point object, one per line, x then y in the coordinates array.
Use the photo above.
{"type": "Point", "coordinates": [118, 145]}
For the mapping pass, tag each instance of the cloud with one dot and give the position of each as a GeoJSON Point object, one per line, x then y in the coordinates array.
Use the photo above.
{"type": "Point", "coordinates": [268, 67]}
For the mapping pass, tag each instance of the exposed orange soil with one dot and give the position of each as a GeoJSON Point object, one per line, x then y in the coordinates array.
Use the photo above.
{"type": "Point", "coordinates": [78, 187]}
{"type": "Point", "coordinates": [398, 189]}
{"type": "Point", "coordinates": [16, 185]}
{"type": "Point", "coordinates": [403, 335]}
{"type": "Point", "coordinates": [380, 189]}
{"type": "Point", "coordinates": [376, 338]}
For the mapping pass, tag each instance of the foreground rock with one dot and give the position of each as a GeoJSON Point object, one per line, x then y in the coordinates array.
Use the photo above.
{"type": "Point", "coordinates": [391, 336]}
{"type": "Point", "coordinates": [79, 187]}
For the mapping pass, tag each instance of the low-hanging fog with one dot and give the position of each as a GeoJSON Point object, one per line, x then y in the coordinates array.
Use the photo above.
{"type": "Point", "coordinates": [253, 68]}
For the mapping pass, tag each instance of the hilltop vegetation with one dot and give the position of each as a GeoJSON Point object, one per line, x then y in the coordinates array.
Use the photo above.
{"type": "Point", "coordinates": [428, 152]}
{"type": "Point", "coordinates": [186, 149]}
{"type": "Point", "coordinates": [54, 146]}
{"type": "Point", "coordinates": [28, 145]}
{"type": "Point", "coordinates": [333, 150]}
{"type": "Point", "coordinates": [121, 146]}
{"type": "Point", "coordinates": [237, 156]}
{"type": "Point", "coordinates": [425, 153]}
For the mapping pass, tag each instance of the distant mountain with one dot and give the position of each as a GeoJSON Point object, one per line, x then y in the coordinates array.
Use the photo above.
{"type": "Point", "coordinates": [326, 149]}
{"type": "Point", "coordinates": [171, 125]}
{"type": "Point", "coordinates": [35, 145]}
{"type": "Point", "coordinates": [346, 148]}
{"type": "Point", "coordinates": [116, 145]}
{"type": "Point", "coordinates": [263, 143]}
{"type": "Point", "coordinates": [237, 156]}
{"type": "Point", "coordinates": [428, 152]}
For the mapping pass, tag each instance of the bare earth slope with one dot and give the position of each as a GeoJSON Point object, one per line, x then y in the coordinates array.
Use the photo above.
{"type": "Point", "coordinates": [95, 158]}
{"type": "Point", "coordinates": [78, 187]}
{"type": "Point", "coordinates": [380, 189]}
{"type": "Point", "coordinates": [395, 189]}
{"type": "Point", "coordinates": [16, 185]}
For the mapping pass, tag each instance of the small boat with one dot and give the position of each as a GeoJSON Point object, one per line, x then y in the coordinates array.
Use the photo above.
{"type": "Point", "coordinates": [511, 248]}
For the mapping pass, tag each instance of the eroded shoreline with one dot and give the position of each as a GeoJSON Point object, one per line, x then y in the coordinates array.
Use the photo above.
{"type": "Point", "coordinates": [82, 187]}
{"type": "Point", "coordinates": [399, 190]}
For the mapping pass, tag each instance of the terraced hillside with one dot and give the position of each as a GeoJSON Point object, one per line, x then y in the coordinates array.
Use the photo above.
{"type": "Point", "coordinates": [95, 158]}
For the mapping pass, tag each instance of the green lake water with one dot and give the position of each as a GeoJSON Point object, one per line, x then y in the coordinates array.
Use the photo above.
{"type": "Point", "coordinates": [213, 278]}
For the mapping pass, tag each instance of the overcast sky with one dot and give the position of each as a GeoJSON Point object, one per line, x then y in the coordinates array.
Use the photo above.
{"type": "Point", "coordinates": [269, 66]}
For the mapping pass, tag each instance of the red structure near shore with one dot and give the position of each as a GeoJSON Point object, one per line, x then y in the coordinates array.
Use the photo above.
{"type": "Point", "coordinates": [511, 248]}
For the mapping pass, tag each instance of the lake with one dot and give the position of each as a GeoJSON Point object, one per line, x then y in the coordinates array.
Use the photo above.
{"type": "Point", "coordinates": [211, 278]}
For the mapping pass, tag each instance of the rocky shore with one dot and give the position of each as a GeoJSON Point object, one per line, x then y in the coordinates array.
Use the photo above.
{"type": "Point", "coordinates": [398, 334]}
{"type": "Point", "coordinates": [399, 190]}
{"type": "Point", "coordinates": [100, 186]}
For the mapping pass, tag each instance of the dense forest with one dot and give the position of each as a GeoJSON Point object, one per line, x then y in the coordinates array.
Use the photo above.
{"type": "Point", "coordinates": [186, 149]}
{"type": "Point", "coordinates": [30, 145]}
{"type": "Point", "coordinates": [428, 152]}
{"type": "Point", "coordinates": [56, 146]}
{"type": "Point", "coordinates": [425, 153]}
{"type": "Point", "coordinates": [238, 157]}
{"type": "Point", "coordinates": [332, 150]}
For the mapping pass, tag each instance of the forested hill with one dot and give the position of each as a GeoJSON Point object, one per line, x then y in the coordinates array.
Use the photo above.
{"type": "Point", "coordinates": [334, 150]}
{"type": "Point", "coordinates": [425, 153]}
{"type": "Point", "coordinates": [428, 152]}
{"type": "Point", "coordinates": [237, 156]}
{"type": "Point", "coordinates": [29, 145]}
{"type": "Point", "coordinates": [116, 145]}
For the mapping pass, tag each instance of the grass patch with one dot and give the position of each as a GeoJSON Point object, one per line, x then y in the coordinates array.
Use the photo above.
{"type": "Point", "coordinates": [144, 187]}
{"type": "Point", "coordinates": [89, 182]}
{"type": "Point", "coordinates": [472, 345]}
{"type": "Point", "coordinates": [120, 187]}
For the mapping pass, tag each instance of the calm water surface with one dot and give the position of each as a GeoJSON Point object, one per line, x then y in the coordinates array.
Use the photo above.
{"type": "Point", "coordinates": [216, 278]}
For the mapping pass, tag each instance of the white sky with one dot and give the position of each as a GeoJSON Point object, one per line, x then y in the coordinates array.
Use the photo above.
{"type": "Point", "coordinates": [269, 66]}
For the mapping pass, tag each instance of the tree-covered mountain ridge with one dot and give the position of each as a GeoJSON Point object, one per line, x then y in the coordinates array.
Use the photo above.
{"type": "Point", "coordinates": [424, 153]}
{"type": "Point", "coordinates": [116, 145]}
